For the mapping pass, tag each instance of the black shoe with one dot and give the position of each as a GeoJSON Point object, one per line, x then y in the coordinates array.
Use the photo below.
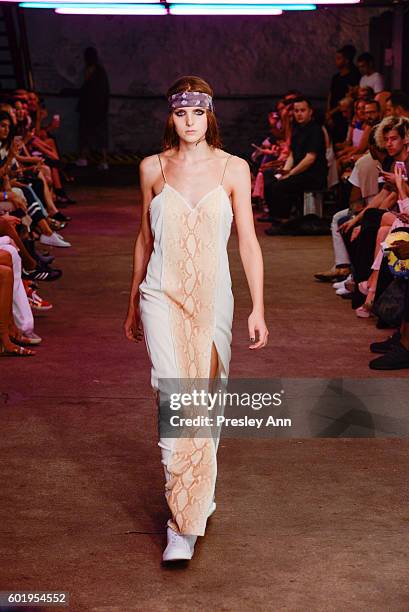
{"type": "Point", "coordinates": [60, 217]}
{"type": "Point", "coordinates": [44, 260]}
{"type": "Point", "coordinates": [386, 345]}
{"type": "Point", "coordinates": [64, 201]}
{"type": "Point", "coordinates": [397, 358]}
{"type": "Point", "coordinates": [382, 325]}
{"type": "Point", "coordinates": [42, 273]}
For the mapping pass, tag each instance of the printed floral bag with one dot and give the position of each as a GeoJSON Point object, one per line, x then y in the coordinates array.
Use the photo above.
{"type": "Point", "coordinates": [398, 267]}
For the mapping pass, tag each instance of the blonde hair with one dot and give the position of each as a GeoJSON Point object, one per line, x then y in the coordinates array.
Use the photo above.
{"type": "Point", "coordinates": [400, 124]}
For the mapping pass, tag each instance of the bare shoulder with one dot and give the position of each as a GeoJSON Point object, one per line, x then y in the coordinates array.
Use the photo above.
{"type": "Point", "coordinates": [149, 166]}
{"type": "Point", "coordinates": [238, 164]}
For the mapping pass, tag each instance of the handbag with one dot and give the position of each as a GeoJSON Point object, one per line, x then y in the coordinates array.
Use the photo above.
{"type": "Point", "coordinates": [390, 305]}
{"type": "Point", "coordinates": [398, 267]}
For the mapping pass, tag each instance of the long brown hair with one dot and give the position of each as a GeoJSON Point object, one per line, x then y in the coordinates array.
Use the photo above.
{"type": "Point", "coordinates": [191, 83]}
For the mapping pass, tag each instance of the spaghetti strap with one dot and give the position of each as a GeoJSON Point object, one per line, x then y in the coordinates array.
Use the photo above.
{"type": "Point", "coordinates": [161, 167]}
{"type": "Point", "coordinates": [224, 171]}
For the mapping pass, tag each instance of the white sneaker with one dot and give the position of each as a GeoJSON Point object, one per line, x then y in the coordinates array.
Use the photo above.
{"type": "Point", "coordinates": [340, 284]}
{"type": "Point", "coordinates": [35, 339]}
{"type": "Point", "coordinates": [54, 240]}
{"type": "Point", "coordinates": [81, 162]}
{"type": "Point", "coordinates": [180, 547]}
{"type": "Point", "coordinates": [211, 509]}
{"type": "Point", "coordinates": [342, 291]}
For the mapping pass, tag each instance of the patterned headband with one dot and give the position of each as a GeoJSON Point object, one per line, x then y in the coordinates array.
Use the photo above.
{"type": "Point", "coordinates": [191, 98]}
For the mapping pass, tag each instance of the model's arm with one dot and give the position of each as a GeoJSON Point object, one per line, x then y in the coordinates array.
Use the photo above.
{"type": "Point", "coordinates": [249, 248]}
{"type": "Point", "coordinates": [142, 250]}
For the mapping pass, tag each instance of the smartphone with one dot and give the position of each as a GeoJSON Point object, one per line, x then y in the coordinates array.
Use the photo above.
{"type": "Point", "coordinates": [401, 165]}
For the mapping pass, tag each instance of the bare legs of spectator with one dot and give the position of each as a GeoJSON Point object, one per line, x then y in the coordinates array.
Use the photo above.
{"type": "Point", "coordinates": [7, 348]}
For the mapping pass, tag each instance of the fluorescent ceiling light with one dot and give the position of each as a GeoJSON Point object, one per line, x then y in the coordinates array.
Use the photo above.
{"type": "Point", "coordinates": [224, 9]}
{"type": "Point", "coordinates": [259, 2]}
{"type": "Point", "coordinates": [112, 9]}
{"type": "Point", "coordinates": [51, 3]}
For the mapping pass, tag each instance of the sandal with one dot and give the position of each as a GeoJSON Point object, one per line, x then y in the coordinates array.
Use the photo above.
{"type": "Point", "coordinates": [16, 351]}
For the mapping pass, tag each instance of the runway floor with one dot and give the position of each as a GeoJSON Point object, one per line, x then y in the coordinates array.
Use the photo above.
{"type": "Point", "coordinates": [301, 524]}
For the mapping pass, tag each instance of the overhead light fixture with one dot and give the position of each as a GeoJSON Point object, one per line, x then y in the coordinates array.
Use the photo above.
{"type": "Point", "coordinates": [111, 9]}
{"type": "Point", "coordinates": [260, 2]}
{"type": "Point", "coordinates": [52, 3]}
{"type": "Point", "coordinates": [224, 9]}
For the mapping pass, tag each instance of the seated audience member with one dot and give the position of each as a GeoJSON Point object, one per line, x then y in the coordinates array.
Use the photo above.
{"type": "Point", "coordinates": [369, 78]}
{"type": "Point", "coordinates": [368, 115]}
{"type": "Point", "coordinates": [366, 94]}
{"type": "Point", "coordinates": [305, 169]}
{"type": "Point", "coordinates": [382, 99]}
{"type": "Point", "coordinates": [397, 104]}
{"type": "Point", "coordinates": [365, 186]}
{"type": "Point", "coordinates": [375, 220]}
{"type": "Point", "coordinates": [11, 338]}
{"type": "Point", "coordinates": [396, 348]}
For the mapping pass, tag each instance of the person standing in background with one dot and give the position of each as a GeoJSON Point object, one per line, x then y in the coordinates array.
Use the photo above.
{"type": "Point", "coordinates": [369, 78]}
{"type": "Point", "coordinates": [348, 76]}
{"type": "Point", "coordinates": [93, 105]}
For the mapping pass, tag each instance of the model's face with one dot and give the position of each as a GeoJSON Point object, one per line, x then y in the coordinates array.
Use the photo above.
{"type": "Point", "coordinates": [372, 115]}
{"type": "Point", "coordinates": [190, 123]}
{"type": "Point", "coordinates": [4, 129]}
{"type": "Point", "coordinates": [394, 144]}
{"type": "Point", "coordinates": [302, 113]}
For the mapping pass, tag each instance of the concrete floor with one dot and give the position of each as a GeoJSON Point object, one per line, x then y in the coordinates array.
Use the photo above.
{"type": "Point", "coordinates": [301, 525]}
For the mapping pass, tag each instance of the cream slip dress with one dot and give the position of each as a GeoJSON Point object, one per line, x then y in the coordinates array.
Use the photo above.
{"type": "Point", "coordinates": [186, 304]}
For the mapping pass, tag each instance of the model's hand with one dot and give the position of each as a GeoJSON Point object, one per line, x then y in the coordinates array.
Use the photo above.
{"type": "Point", "coordinates": [257, 325]}
{"type": "Point", "coordinates": [133, 326]}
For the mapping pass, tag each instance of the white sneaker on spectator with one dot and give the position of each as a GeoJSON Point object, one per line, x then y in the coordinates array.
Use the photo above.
{"type": "Point", "coordinates": [35, 339]}
{"type": "Point", "coordinates": [342, 291]}
{"type": "Point", "coordinates": [54, 240]}
{"type": "Point", "coordinates": [81, 162]}
{"type": "Point", "coordinates": [340, 284]}
{"type": "Point", "coordinates": [180, 547]}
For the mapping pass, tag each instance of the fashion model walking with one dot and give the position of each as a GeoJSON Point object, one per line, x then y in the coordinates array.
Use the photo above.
{"type": "Point", "coordinates": [181, 300]}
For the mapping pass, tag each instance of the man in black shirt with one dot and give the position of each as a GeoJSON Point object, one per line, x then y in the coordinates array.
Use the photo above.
{"type": "Point", "coordinates": [306, 168]}
{"type": "Point", "coordinates": [347, 76]}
